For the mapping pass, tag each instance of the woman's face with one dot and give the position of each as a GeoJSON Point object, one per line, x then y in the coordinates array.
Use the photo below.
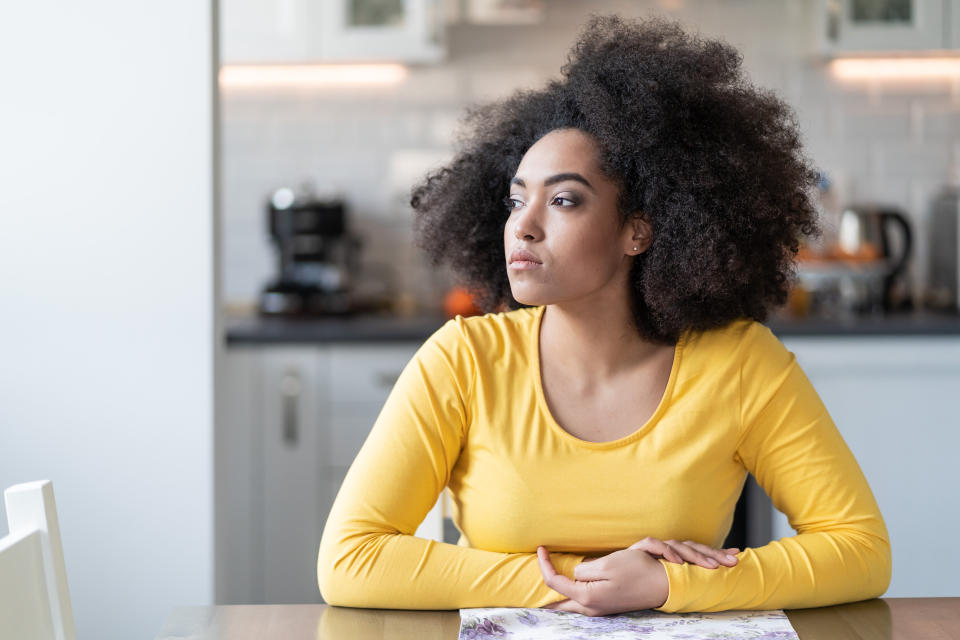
{"type": "Point", "coordinates": [563, 210]}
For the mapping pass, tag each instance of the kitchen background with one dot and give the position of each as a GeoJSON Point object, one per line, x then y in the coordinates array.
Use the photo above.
{"type": "Point", "coordinates": [895, 141]}
{"type": "Point", "coordinates": [298, 397]}
{"type": "Point", "coordinates": [196, 446]}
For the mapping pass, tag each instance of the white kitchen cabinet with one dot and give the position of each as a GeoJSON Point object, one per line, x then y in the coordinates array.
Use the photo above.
{"type": "Point", "coordinates": [237, 470]}
{"type": "Point", "coordinates": [953, 19]}
{"type": "Point", "coordinates": [270, 486]}
{"type": "Point", "coordinates": [291, 420]}
{"type": "Point", "coordinates": [895, 402]}
{"type": "Point", "coordinates": [361, 377]}
{"type": "Point", "coordinates": [267, 31]}
{"type": "Point", "coordinates": [310, 31]}
{"type": "Point", "coordinates": [860, 26]}
{"type": "Point", "coordinates": [295, 495]}
{"type": "Point", "coordinates": [400, 30]}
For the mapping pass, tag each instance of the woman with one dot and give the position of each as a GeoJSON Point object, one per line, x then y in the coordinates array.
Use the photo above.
{"type": "Point", "coordinates": [632, 223]}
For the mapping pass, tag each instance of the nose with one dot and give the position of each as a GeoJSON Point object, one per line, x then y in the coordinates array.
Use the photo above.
{"type": "Point", "coordinates": [526, 224]}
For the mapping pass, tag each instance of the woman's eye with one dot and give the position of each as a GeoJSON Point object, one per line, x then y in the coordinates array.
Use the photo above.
{"type": "Point", "coordinates": [512, 202]}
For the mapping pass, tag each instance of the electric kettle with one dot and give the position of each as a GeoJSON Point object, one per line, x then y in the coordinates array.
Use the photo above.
{"type": "Point", "coordinates": [856, 269]}
{"type": "Point", "coordinates": [863, 231]}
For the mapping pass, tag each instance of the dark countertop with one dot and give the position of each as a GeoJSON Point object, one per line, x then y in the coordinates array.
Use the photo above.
{"type": "Point", "coordinates": [254, 330]}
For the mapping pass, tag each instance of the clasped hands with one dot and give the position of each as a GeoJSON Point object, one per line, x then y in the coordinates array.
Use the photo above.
{"type": "Point", "coordinates": [630, 579]}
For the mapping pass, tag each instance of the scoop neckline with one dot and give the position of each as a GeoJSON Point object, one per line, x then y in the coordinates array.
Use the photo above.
{"type": "Point", "coordinates": [608, 444]}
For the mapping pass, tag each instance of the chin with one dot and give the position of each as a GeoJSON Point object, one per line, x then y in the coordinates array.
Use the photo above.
{"type": "Point", "coordinates": [524, 295]}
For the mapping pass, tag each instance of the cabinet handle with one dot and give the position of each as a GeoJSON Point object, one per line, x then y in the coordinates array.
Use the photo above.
{"type": "Point", "coordinates": [834, 11]}
{"type": "Point", "coordinates": [290, 390]}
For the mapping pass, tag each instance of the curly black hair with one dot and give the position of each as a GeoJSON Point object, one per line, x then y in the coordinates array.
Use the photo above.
{"type": "Point", "coordinates": [713, 161]}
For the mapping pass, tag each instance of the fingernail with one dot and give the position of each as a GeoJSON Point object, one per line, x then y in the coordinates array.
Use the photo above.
{"type": "Point", "coordinates": [711, 561]}
{"type": "Point", "coordinates": [730, 557]}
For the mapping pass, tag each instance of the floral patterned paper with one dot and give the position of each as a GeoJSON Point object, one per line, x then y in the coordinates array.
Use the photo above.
{"type": "Point", "coordinates": [537, 624]}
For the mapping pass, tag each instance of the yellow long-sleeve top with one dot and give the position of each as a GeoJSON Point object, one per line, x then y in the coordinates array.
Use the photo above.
{"type": "Point", "coordinates": [468, 413]}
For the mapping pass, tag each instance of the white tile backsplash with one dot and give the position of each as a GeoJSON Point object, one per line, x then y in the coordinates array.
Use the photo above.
{"type": "Point", "coordinates": [880, 140]}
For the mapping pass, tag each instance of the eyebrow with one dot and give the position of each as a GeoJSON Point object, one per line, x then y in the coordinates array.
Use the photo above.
{"type": "Point", "coordinates": [560, 177]}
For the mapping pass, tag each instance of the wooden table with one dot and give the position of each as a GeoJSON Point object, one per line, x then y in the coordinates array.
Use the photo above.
{"type": "Point", "coordinates": [877, 619]}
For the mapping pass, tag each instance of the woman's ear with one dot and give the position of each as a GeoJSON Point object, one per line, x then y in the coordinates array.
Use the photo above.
{"type": "Point", "coordinates": [642, 233]}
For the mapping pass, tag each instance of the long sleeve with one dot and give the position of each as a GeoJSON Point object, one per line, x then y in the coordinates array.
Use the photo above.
{"type": "Point", "coordinates": [841, 552]}
{"type": "Point", "coordinates": [368, 555]}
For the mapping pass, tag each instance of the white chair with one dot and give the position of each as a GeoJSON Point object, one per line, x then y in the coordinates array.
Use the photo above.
{"type": "Point", "coordinates": [34, 599]}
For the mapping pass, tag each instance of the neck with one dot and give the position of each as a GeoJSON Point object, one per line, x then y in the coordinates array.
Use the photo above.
{"type": "Point", "coordinates": [596, 339]}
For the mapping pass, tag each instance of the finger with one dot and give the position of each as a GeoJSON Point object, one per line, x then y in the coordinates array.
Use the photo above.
{"type": "Point", "coordinates": [719, 555]}
{"type": "Point", "coordinates": [557, 581]}
{"type": "Point", "coordinates": [658, 547]}
{"type": "Point", "coordinates": [692, 555]}
{"type": "Point", "coordinates": [591, 570]}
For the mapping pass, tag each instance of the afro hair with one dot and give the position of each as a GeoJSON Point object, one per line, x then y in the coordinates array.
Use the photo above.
{"type": "Point", "coordinates": [714, 162]}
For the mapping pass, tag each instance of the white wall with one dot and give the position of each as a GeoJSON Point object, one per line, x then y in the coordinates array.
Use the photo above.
{"type": "Point", "coordinates": [107, 294]}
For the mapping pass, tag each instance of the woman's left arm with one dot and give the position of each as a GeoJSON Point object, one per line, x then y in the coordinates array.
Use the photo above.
{"type": "Point", "coordinates": [789, 442]}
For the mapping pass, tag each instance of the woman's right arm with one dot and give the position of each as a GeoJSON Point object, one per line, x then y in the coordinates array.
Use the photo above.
{"type": "Point", "coordinates": [368, 555]}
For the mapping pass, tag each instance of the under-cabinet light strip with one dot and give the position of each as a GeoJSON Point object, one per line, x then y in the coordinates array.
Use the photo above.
{"type": "Point", "coordinates": [895, 68]}
{"type": "Point", "coordinates": [310, 75]}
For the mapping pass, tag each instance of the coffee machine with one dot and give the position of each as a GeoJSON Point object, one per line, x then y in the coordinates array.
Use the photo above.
{"type": "Point", "coordinates": [317, 255]}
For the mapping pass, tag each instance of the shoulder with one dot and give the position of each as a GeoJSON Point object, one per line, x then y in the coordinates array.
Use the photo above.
{"type": "Point", "coordinates": [743, 341]}
{"type": "Point", "coordinates": [467, 339]}
{"type": "Point", "coordinates": [731, 336]}
{"type": "Point", "coordinates": [489, 330]}
{"type": "Point", "coordinates": [507, 326]}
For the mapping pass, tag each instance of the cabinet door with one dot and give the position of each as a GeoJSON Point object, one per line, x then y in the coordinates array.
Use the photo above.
{"type": "Point", "coordinates": [294, 502]}
{"type": "Point", "coordinates": [237, 489]}
{"type": "Point", "coordinates": [361, 378]}
{"type": "Point", "coordinates": [383, 30]}
{"type": "Point", "coordinates": [268, 31]}
{"type": "Point", "coordinates": [882, 25]}
{"type": "Point", "coordinates": [894, 401]}
{"type": "Point", "coordinates": [310, 31]}
{"type": "Point", "coordinates": [952, 17]}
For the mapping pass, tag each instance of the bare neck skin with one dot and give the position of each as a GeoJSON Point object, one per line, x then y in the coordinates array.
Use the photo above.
{"type": "Point", "coordinates": [594, 341]}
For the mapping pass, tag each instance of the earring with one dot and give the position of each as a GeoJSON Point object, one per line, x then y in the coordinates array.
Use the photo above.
{"type": "Point", "coordinates": [636, 248]}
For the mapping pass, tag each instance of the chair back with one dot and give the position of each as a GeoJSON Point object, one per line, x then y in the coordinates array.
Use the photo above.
{"type": "Point", "coordinates": [34, 599]}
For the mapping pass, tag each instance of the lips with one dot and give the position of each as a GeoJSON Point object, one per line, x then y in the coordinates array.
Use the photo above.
{"type": "Point", "coordinates": [522, 255]}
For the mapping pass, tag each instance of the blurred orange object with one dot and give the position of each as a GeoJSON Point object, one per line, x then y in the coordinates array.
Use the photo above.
{"type": "Point", "coordinates": [459, 301]}
{"type": "Point", "coordinates": [865, 252]}
{"type": "Point", "coordinates": [805, 252]}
